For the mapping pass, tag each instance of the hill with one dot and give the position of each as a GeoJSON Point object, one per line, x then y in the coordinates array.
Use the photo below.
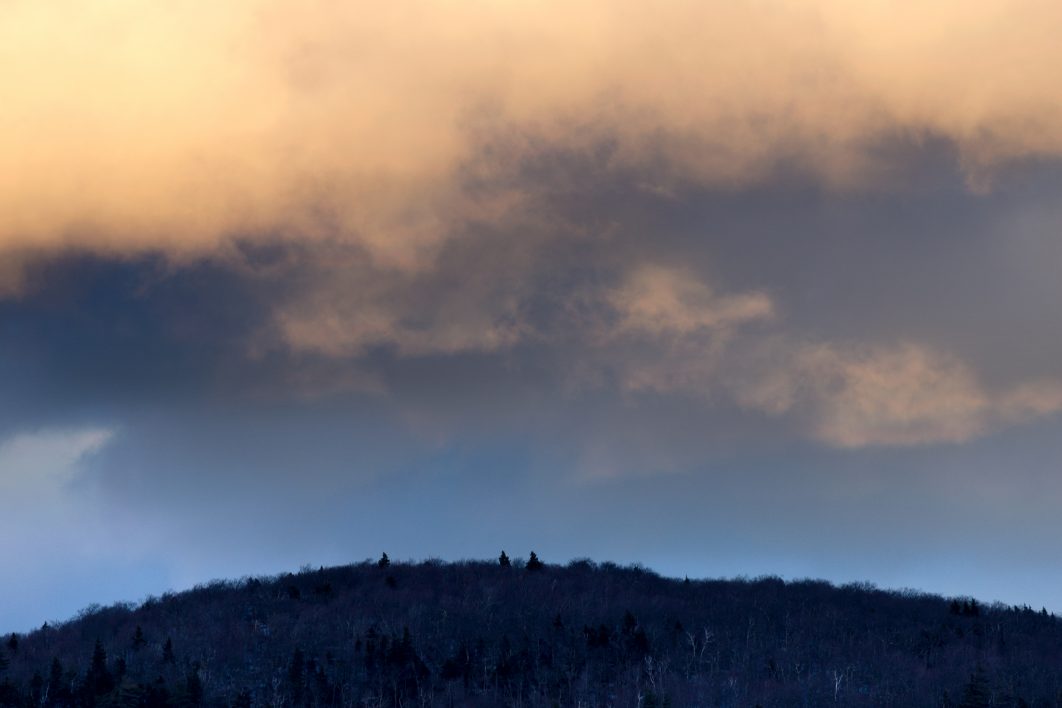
{"type": "Point", "coordinates": [527, 634]}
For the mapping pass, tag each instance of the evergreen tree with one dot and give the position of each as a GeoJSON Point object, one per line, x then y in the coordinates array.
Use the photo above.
{"type": "Point", "coordinates": [167, 652]}
{"type": "Point", "coordinates": [383, 562]}
{"type": "Point", "coordinates": [194, 686]}
{"type": "Point", "coordinates": [977, 694]}
{"type": "Point", "coordinates": [99, 679]}
{"type": "Point", "coordinates": [129, 694]}
{"type": "Point", "coordinates": [138, 639]}
{"type": "Point", "coordinates": [56, 687]}
{"type": "Point", "coordinates": [533, 563]}
{"type": "Point", "coordinates": [503, 560]}
{"type": "Point", "coordinates": [36, 695]}
{"type": "Point", "coordinates": [296, 682]}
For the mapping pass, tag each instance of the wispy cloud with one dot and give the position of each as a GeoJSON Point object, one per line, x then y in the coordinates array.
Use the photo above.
{"type": "Point", "coordinates": [843, 394]}
{"type": "Point", "coordinates": [39, 466]}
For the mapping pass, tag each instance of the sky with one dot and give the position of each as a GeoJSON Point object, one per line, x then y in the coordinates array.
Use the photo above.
{"type": "Point", "coordinates": [722, 288]}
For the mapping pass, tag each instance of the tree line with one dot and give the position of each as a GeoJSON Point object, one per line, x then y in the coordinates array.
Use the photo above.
{"type": "Point", "coordinates": [515, 632]}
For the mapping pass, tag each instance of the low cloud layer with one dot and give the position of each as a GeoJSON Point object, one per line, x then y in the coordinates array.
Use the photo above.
{"type": "Point", "coordinates": [847, 395]}
{"type": "Point", "coordinates": [663, 330]}
{"type": "Point", "coordinates": [902, 395]}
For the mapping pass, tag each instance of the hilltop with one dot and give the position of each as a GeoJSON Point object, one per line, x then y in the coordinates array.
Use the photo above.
{"type": "Point", "coordinates": [533, 634]}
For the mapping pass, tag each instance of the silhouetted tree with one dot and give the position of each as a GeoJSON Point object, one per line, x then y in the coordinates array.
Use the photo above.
{"type": "Point", "coordinates": [976, 694]}
{"type": "Point", "coordinates": [99, 679]}
{"type": "Point", "coordinates": [168, 656]}
{"type": "Point", "coordinates": [57, 690]}
{"type": "Point", "coordinates": [36, 694]}
{"type": "Point", "coordinates": [129, 694]}
{"type": "Point", "coordinates": [194, 687]}
{"type": "Point", "coordinates": [533, 563]}
{"type": "Point", "coordinates": [503, 560]}
{"type": "Point", "coordinates": [383, 562]}
{"type": "Point", "coordinates": [296, 682]}
{"type": "Point", "coordinates": [464, 634]}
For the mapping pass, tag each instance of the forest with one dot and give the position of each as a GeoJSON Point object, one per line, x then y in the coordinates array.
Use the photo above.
{"type": "Point", "coordinates": [516, 632]}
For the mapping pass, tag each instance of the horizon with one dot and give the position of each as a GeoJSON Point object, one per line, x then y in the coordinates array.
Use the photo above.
{"type": "Point", "coordinates": [724, 288]}
{"type": "Point", "coordinates": [517, 561]}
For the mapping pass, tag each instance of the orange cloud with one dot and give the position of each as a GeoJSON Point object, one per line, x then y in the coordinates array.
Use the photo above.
{"type": "Point", "coordinates": [657, 301]}
{"type": "Point", "coordinates": [894, 396]}
{"type": "Point", "coordinates": [672, 335]}
{"type": "Point", "coordinates": [176, 127]}
{"type": "Point", "coordinates": [183, 127]}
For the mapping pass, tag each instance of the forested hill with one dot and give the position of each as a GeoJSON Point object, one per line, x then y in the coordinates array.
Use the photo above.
{"type": "Point", "coordinates": [528, 634]}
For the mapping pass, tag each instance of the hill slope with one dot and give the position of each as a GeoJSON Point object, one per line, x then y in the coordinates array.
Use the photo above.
{"type": "Point", "coordinates": [480, 634]}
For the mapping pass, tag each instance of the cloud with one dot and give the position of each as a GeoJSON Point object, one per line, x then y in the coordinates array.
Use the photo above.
{"type": "Point", "coordinates": [897, 395]}
{"type": "Point", "coordinates": [688, 340]}
{"type": "Point", "coordinates": [37, 467]}
{"type": "Point", "coordinates": [349, 311]}
{"type": "Point", "coordinates": [658, 301]}
{"type": "Point", "coordinates": [447, 179]}
{"type": "Point", "coordinates": [67, 546]}
{"type": "Point", "coordinates": [44, 500]}
{"type": "Point", "coordinates": [903, 395]}
{"type": "Point", "coordinates": [650, 328]}
{"type": "Point", "coordinates": [181, 128]}
{"type": "Point", "coordinates": [673, 335]}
